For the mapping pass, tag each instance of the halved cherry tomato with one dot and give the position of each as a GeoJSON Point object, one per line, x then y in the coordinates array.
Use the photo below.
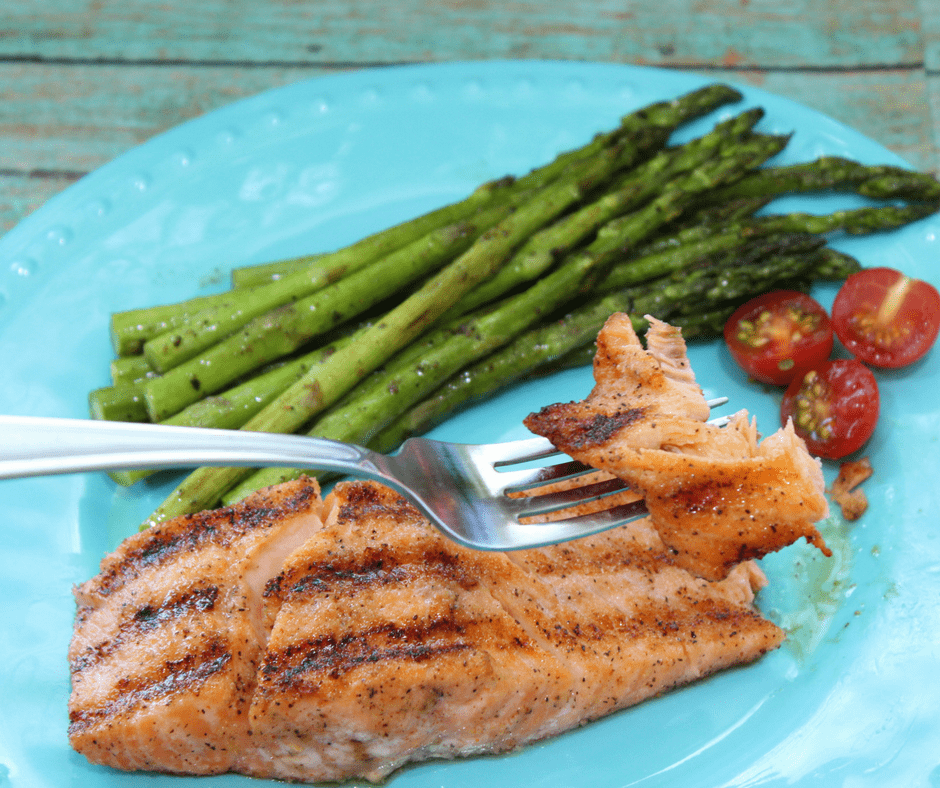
{"type": "Point", "coordinates": [834, 407]}
{"type": "Point", "coordinates": [885, 318]}
{"type": "Point", "coordinates": [777, 335]}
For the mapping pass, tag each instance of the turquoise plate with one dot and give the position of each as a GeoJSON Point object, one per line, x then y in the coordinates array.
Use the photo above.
{"type": "Point", "coordinates": [853, 697]}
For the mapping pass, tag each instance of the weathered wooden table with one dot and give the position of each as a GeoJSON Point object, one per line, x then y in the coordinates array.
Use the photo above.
{"type": "Point", "coordinates": [84, 80]}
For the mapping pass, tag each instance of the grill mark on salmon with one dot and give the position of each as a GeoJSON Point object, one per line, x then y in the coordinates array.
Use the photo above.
{"type": "Point", "coordinates": [597, 429]}
{"type": "Point", "coordinates": [365, 501]}
{"type": "Point", "coordinates": [220, 527]}
{"type": "Point", "coordinates": [298, 666]}
{"type": "Point", "coordinates": [172, 677]}
{"type": "Point", "coordinates": [146, 619]}
{"type": "Point", "coordinates": [375, 568]}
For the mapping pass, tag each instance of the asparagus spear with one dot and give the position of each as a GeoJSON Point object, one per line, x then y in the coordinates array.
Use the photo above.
{"type": "Point", "coordinates": [703, 220]}
{"type": "Point", "coordinates": [698, 243]}
{"type": "Point", "coordinates": [132, 327]}
{"type": "Point", "coordinates": [732, 205]}
{"type": "Point", "coordinates": [661, 117]}
{"type": "Point", "coordinates": [856, 221]}
{"type": "Point", "coordinates": [720, 247]}
{"type": "Point", "coordinates": [322, 387]}
{"type": "Point", "coordinates": [130, 369]}
{"type": "Point", "coordinates": [710, 214]}
{"type": "Point", "coordinates": [836, 173]}
{"type": "Point", "coordinates": [237, 405]}
{"type": "Point", "coordinates": [118, 403]}
{"type": "Point", "coordinates": [263, 273]}
{"type": "Point", "coordinates": [711, 285]}
{"type": "Point", "coordinates": [832, 265]}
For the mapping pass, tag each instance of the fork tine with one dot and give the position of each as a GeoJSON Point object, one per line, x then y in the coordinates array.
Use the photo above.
{"type": "Point", "coordinates": [524, 450]}
{"type": "Point", "coordinates": [514, 481]}
{"type": "Point", "coordinates": [535, 505]}
{"type": "Point", "coordinates": [523, 535]}
{"type": "Point", "coordinates": [609, 518]}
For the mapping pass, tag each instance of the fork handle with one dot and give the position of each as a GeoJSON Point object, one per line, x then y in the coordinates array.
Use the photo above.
{"type": "Point", "coordinates": [39, 446]}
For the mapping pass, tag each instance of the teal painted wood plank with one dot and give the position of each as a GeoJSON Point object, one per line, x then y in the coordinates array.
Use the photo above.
{"type": "Point", "coordinates": [23, 193]}
{"type": "Point", "coordinates": [746, 33]}
{"type": "Point", "coordinates": [893, 106]}
{"type": "Point", "coordinates": [76, 118]}
{"type": "Point", "coordinates": [933, 97]}
{"type": "Point", "coordinates": [930, 30]}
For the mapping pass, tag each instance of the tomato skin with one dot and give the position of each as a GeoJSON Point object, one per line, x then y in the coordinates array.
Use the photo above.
{"type": "Point", "coordinates": [834, 407]}
{"type": "Point", "coordinates": [885, 318]}
{"type": "Point", "coordinates": [777, 335]}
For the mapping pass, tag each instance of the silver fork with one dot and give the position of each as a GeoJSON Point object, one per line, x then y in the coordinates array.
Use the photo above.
{"type": "Point", "coordinates": [462, 489]}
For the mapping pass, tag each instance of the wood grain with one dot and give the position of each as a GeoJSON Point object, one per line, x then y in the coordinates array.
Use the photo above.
{"type": "Point", "coordinates": [761, 33]}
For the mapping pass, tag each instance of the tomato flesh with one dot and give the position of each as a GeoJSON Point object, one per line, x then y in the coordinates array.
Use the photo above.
{"type": "Point", "coordinates": [776, 336]}
{"type": "Point", "coordinates": [834, 407]}
{"type": "Point", "coordinates": [885, 318]}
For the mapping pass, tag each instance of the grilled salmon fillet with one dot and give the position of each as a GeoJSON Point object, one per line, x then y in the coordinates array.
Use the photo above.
{"type": "Point", "coordinates": [169, 634]}
{"type": "Point", "coordinates": [716, 495]}
{"type": "Point", "coordinates": [378, 641]}
{"type": "Point", "coordinates": [393, 644]}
